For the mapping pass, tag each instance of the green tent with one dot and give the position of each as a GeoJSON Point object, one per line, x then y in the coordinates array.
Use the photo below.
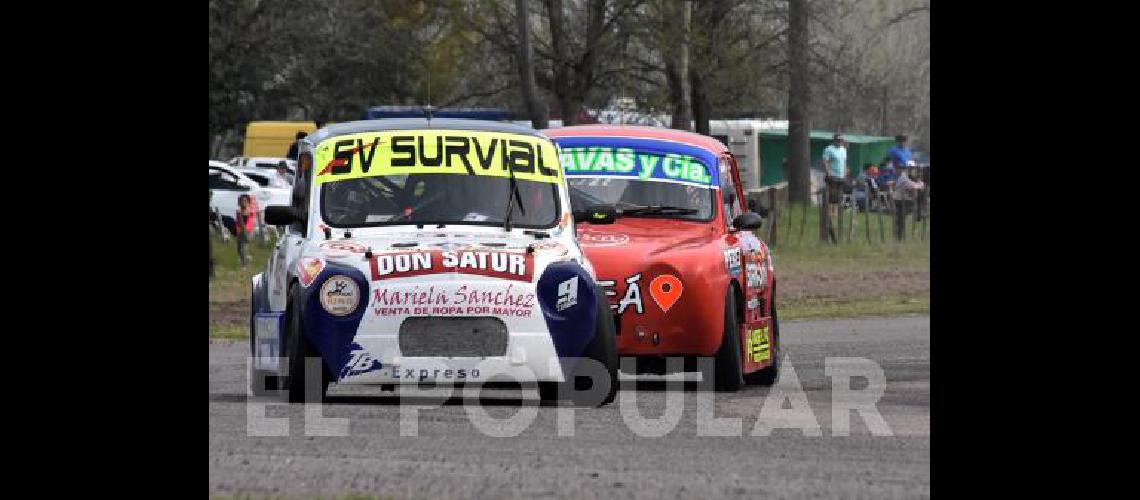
{"type": "Point", "coordinates": [861, 149]}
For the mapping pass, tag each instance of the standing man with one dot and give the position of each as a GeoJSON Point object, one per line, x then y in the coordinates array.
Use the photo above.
{"type": "Point", "coordinates": [906, 190]}
{"type": "Point", "coordinates": [835, 166]}
{"type": "Point", "coordinates": [292, 154]}
{"type": "Point", "coordinates": [899, 154]}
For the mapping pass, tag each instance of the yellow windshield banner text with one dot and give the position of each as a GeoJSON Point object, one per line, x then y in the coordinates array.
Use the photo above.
{"type": "Point", "coordinates": [459, 152]}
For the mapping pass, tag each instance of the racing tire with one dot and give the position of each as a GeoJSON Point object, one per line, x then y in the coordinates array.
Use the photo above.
{"type": "Point", "coordinates": [603, 349]}
{"type": "Point", "coordinates": [727, 374]}
{"type": "Point", "coordinates": [768, 375]}
{"type": "Point", "coordinates": [298, 348]}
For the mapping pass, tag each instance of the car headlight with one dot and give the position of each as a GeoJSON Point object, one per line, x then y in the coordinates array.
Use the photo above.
{"type": "Point", "coordinates": [340, 295]}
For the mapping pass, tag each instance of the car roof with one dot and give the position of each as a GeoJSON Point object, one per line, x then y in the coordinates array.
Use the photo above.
{"type": "Point", "coordinates": [639, 132]}
{"type": "Point", "coordinates": [418, 123]}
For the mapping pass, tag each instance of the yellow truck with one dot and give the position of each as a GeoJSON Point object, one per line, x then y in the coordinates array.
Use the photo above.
{"type": "Point", "coordinates": [272, 139]}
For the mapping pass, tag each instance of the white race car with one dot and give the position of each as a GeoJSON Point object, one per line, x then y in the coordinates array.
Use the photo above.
{"type": "Point", "coordinates": [438, 251]}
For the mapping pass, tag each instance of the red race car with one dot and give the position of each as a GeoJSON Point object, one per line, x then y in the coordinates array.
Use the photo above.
{"type": "Point", "coordinates": [662, 216]}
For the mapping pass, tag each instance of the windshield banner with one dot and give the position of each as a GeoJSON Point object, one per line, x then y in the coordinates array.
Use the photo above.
{"type": "Point", "coordinates": [603, 161]}
{"type": "Point", "coordinates": [459, 152]}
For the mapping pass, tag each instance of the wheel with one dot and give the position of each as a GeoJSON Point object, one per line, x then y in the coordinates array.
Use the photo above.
{"type": "Point", "coordinates": [769, 375]}
{"type": "Point", "coordinates": [297, 349]}
{"type": "Point", "coordinates": [602, 349]}
{"type": "Point", "coordinates": [726, 370]}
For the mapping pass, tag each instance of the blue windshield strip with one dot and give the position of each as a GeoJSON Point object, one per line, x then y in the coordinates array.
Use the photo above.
{"type": "Point", "coordinates": [641, 145]}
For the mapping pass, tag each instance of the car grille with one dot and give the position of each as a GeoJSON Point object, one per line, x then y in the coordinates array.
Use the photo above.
{"type": "Point", "coordinates": [453, 337]}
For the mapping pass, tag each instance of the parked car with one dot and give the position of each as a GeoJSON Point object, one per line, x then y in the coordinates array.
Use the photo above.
{"type": "Point", "coordinates": [667, 230]}
{"type": "Point", "coordinates": [279, 190]}
{"type": "Point", "coordinates": [436, 251]}
{"type": "Point", "coordinates": [263, 162]}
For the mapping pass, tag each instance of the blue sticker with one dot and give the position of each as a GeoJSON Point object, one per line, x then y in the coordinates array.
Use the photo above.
{"type": "Point", "coordinates": [333, 335]}
{"type": "Point", "coordinates": [567, 286]}
{"type": "Point", "coordinates": [638, 158]}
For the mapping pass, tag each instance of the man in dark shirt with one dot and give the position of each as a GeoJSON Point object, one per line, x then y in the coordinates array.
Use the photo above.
{"type": "Point", "coordinates": [292, 154]}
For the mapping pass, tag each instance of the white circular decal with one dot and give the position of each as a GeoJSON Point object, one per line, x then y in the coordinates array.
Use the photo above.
{"type": "Point", "coordinates": [340, 295]}
{"type": "Point", "coordinates": [602, 240]}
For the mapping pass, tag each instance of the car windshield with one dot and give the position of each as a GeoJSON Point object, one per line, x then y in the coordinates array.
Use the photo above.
{"type": "Point", "coordinates": [411, 177]}
{"type": "Point", "coordinates": [437, 199]}
{"type": "Point", "coordinates": [630, 195]}
{"type": "Point", "coordinates": [639, 184]}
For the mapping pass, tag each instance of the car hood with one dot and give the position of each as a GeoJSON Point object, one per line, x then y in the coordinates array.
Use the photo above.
{"type": "Point", "coordinates": [643, 237]}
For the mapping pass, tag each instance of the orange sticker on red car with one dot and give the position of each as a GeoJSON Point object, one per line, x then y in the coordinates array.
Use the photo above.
{"type": "Point", "coordinates": [666, 290]}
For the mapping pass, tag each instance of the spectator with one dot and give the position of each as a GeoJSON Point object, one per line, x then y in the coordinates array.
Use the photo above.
{"type": "Point", "coordinates": [283, 178]}
{"type": "Point", "coordinates": [292, 154]}
{"type": "Point", "coordinates": [244, 222]}
{"type": "Point", "coordinates": [899, 154]}
{"type": "Point", "coordinates": [905, 193]}
{"type": "Point", "coordinates": [835, 167]}
{"type": "Point", "coordinates": [865, 187]}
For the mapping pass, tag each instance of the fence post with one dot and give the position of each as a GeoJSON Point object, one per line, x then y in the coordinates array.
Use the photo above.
{"type": "Point", "coordinates": [824, 217]}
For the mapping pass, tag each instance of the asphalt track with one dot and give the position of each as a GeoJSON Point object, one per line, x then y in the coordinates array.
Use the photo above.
{"type": "Point", "coordinates": [451, 456]}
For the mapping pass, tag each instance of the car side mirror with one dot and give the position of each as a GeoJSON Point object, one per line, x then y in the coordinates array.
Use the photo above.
{"type": "Point", "coordinates": [280, 215]}
{"type": "Point", "coordinates": [747, 220]}
{"type": "Point", "coordinates": [598, 214]}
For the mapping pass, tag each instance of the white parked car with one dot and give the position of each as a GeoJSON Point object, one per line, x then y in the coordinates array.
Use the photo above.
{"type": "Point", "coordinates": [280, 192]}
{"type": "Point", "coordinates": [430, 252]}
{"type": "Point", "coordinates": [264, 162]}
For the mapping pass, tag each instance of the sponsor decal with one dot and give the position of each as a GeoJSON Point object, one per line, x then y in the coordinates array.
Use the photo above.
{"type": "Point", "coordinates": [422, 374]}
{"type": "Point", "coordinates": [626, 163]}
{"type": "Point", "coordinates": [732, 261]}
{"type": "Point", "coordinates": [343, 246]}
{"type": "Point", "coordinates": [457, 152]}
{"type": "Point", "coordinates": [496, 264]}
{"type": "Point", "coordinates": [567, 294]}
{"type": "Point", "coordinates": [340, 295]}
{"type": "Point", "coordinates": [360, 362]}
{"type": "Point", "coordinates": [601, 240]}
{"type": "Point", "coordinates": [758, 344]}
{"type": "Point", "coordinates": [756, 274]}
{"type": "Point", "coordinates": [467, 300]}
{"type": "Point", "coordinates": [753, 303]}
{"type": "Point", "coordinates": [665, 290]}
{"type": "Point", "coordinates": [553, 248]}
{"type": "Point", "coordinates": [267, 332]}
{"type": "Point", "coordinates": [632, 295]}
{"type": "Point", "coordinates": [308, 268]}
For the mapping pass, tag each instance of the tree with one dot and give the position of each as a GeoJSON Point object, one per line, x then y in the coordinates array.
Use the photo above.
{"type": "Point", "coordinates": [678, 23]}
{"type": "Point", "coordinates": [535, 107]}
{"type": "Point", "coordinates": [799, 99]}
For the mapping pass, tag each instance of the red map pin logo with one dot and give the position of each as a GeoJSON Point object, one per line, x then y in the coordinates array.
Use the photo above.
{"type": "Point", "coordinates": [665, 290]}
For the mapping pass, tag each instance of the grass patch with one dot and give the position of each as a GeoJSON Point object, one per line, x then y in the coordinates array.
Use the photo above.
{"type": "Point", "coordinates": [229, 332]}
{"type": "Point", "coordinates": [875, 306]}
